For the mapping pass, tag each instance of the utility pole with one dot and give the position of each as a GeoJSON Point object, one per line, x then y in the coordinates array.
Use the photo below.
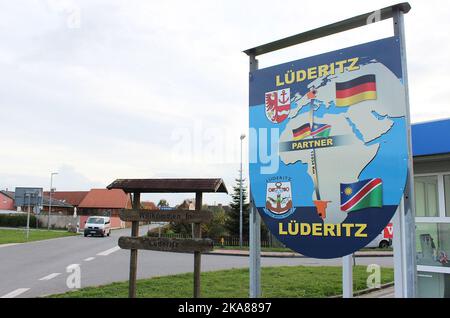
{"type": "Point", "coordinates": [50, 198]}
{"type": "Point", "coordinates": [240, 198]}
{"type": "Point", "coordinates": [28, 194]}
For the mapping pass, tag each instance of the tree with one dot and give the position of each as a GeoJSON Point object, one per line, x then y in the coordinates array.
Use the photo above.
{"type": "Point", "coordinates": [216, 228]}
{"type": "Point", "coordinates": [233, 220]}
{"type": "Point", "coordinates": [163, 203]}
{"type": "Point", "coordinates": [176, 227]}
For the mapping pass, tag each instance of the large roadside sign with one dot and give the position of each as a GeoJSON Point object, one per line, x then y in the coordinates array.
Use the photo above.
{"type": "Point", "coordinates": [28, 196]}
{"type": "Point", "coordinates": [329, 143]}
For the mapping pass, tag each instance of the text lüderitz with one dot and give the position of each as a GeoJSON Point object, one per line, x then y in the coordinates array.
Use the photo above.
{"type": "Point", "coordinates": [297, 76]}
{"type": "Point", "coordinates": [322, 229]}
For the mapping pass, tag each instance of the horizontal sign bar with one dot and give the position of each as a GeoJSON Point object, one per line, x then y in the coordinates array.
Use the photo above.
{"type": "Point", "coordinates": [341, 26]}
{"type": "Point", "coordinates": [166, 244]}
{"type": "Point", "coordinates": [178, 216]}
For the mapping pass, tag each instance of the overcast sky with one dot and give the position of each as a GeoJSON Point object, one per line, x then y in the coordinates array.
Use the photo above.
{"type": "Point", "coordinates": [101, 89]}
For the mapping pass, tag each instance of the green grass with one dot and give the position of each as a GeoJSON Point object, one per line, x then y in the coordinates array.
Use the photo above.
{"type": "Point", "coordinates": [20, 236]}
{"type": "Point", "coordinates": [377, 249]}
{"type": "Point", "coordinates": [286, 281]}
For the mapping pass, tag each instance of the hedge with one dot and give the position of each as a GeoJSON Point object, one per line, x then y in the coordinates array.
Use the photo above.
{"type": "Point", "coordinates": [16, 220]}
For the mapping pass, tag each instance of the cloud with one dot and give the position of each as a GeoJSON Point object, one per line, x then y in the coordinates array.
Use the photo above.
{"type": "Point", "coordinates": [67, 179]}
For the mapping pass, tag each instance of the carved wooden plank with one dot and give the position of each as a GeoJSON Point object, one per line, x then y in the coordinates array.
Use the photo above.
{"type": "Point", "coordinates": [178, 216]}
{"type": "Point", "coordinates": [166, 244]}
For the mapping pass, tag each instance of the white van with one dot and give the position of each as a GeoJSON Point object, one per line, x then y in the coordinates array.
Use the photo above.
{"type": "Point", "coordinates": [380, 241]}
{"type": "Point", "coordinates": [97, 225]}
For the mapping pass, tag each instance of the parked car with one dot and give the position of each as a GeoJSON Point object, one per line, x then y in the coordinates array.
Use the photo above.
{"type": "Point", "coordinates": [380, 241]}
{"type": "Point", "coordinates": [97, 225]}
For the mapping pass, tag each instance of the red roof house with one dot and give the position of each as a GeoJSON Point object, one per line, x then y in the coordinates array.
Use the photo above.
{"type": "Point", "coordinates": [148, 205]}
{"type": "Point", "coordinates": [73, 198]}
{"type": "Point", "coordinates": [106, 199]}
{"type": "Point", "coordinates": [7, 200]}
{"type": "Point", "coordinates": [104, 202]}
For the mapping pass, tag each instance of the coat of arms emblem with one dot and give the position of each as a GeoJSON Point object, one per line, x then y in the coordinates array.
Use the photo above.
{"type": "Point", "coordinates": [279, 199]}
{"type": "Point", "coordinates": [278, 105]}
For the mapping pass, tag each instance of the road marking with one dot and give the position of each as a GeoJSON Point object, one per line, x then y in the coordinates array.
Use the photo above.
{"type": "Point", "coordinates": [11, 244]}
{"type": "Point", "coordinates": [89, 259]}
{"type": "Point", "coordinates": [51, 276]}
{"type": "Point", "coordinates": [15, 293]}
{"type": "Point", "coordinates": [110, 251]}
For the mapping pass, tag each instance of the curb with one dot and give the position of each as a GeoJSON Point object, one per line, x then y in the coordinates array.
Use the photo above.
{"type": "Point", "coordinates": [374, 255]}
{"type": "Point", "coordinates": [9, 244]}
{"type": "Point", "coordinates": [262, 255]}
{"type": "Point", "coordinates": [290, 255]}
{"type": "Point", "coordinates": [368, 290]}
{"type": "Point", "coordinates": [38, 241]}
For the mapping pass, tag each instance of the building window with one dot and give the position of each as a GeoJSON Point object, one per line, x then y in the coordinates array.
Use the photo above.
{"type": "Point", "coordinates": [433, 244]}
{"type": "Point", "coordinates": [432, 194]}
{"type": "Point", "coordinates": [426, 195]}
{"type": "Point", "coordinates": [447, 195]}
{"type": "Point", "coordinates": [433, 285]}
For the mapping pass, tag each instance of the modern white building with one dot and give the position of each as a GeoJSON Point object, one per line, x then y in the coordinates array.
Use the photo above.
{"type": "Point", "coordinates": [431, 150]}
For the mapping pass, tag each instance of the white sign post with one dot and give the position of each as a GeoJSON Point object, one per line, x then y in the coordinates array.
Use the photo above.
{"type": "Point", "coordinates": [347, 276]}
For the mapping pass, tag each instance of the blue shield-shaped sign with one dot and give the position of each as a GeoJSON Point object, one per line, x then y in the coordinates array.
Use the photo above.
{"type": "Point", "coordinates": [328, 147]}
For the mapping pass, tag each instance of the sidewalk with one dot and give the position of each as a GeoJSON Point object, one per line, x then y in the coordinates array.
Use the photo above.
{"type": "Point", "coordinates": [293, 254]}
{"type": "Point", "coordinates": [385, 291]}
{"type": "Point", "coordinates": [381, 293]}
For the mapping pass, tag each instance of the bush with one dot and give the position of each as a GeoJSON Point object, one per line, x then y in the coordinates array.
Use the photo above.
{"type": "Point", "coordinates": [16, 220]}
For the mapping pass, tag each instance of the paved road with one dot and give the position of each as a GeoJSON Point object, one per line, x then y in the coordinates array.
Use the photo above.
{"type": "Point", "coordinates": [39, 268]}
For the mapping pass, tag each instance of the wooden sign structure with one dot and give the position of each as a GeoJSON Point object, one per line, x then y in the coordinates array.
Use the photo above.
{"type": "Point", "coordinates": [196, 245]}
{"type": "Point", "coordinates": [178, 216]}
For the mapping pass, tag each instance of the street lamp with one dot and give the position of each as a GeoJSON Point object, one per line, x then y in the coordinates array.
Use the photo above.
{"type": "Point", "coordinates": [28, 194]}
{"type": "Point", "coordinates": [240, 198]}
{"type": "Point", "coordinates": [50, 200]}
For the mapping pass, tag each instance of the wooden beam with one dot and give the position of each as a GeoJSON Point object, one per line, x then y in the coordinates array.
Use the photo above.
{"type": "Point", "coordinates": [197, 255]}
{"type": "Point", "coordinates": [166, 244]}
{"type": "Point", "coordinates": [134, 252]}
{"type": "Point", "coordinates": [178, 216]}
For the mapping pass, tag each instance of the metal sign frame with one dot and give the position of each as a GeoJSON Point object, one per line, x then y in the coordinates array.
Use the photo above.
{"type": "Point", "coordinates": [35, 200]}
{"type": "Point", "coordinates": [405, 262]}
{"type": "Point", "coordinates": [24, 196]}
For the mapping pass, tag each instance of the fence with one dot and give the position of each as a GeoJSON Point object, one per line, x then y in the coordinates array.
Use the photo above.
{"type": "Point", "coordinates": [227, 240]}
{"type": "Point", "coordinates": [58, 221]}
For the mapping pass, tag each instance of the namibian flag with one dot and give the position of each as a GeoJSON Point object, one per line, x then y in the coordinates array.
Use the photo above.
{"type": "Point", "coordinates": [357, 90]}
{"type": "Point", "coordinates": [301, 132]}
{"type": "Point", "coordinates": [361, 195]}
{"type": "Point", "coordinates": [321, 131]}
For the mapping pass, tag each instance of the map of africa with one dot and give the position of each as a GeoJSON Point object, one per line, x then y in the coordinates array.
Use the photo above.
{"type": "Point", "coordinates": [363, 125]}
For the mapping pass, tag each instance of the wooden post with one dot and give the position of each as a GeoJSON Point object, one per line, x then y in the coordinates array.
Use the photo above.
{"type": "Point", "coordinates": [134, 252]}
{"type": "Point", "coordinates": [197, 255]}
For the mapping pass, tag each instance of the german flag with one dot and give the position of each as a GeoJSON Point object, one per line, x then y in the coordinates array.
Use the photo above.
{"type": "Point", "coordinates": [357, 90]}
{"type": "Point", "coordinates": [302, 132]}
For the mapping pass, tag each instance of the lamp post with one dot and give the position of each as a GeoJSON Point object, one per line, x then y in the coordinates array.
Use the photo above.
{"type": "Point", "coordinates": [50, 199]}
{"type": "Point", "coordinates": [28, 194]}
{"type": "Point", "coordinates": [240, 198]}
